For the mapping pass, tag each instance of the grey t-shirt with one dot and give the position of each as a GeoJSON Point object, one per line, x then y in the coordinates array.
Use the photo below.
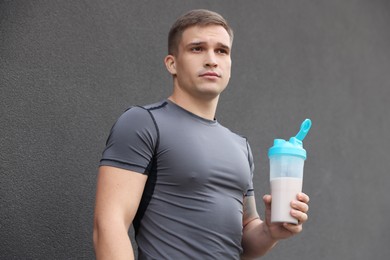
{"type": "Point", "coordinates": [198, 174]}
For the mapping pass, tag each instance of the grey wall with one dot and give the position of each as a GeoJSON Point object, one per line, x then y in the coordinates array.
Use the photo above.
{"type": "Point", "coordinates": [69, 69]}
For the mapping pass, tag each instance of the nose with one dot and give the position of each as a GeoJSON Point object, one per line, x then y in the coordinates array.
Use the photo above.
{"type": "Point", "coordinates": [211, 61]}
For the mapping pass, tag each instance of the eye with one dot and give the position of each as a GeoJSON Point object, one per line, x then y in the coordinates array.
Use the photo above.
{"type": "Point", "coordinates": [196, 49]}
{"type": "Point", "coordinates": [222, 51]}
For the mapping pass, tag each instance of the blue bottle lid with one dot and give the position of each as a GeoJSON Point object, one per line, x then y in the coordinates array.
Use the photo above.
{"type": "Point", "coordinates": [294, 146]}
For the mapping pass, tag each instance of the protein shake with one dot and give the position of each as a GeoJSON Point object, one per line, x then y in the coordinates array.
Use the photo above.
{"type": "Point", "coordinates": [286, 173]}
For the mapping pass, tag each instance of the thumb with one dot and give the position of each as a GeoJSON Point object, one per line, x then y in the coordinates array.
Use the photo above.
{"type": "Point", "coordinates": [267, 201]}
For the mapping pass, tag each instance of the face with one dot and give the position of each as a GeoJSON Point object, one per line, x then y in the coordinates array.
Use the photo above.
{"type": "Point", "coordinates": [201, 67]}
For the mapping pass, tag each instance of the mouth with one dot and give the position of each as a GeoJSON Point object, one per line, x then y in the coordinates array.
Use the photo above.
{"type": "Point", "coordinates": [210, 74]}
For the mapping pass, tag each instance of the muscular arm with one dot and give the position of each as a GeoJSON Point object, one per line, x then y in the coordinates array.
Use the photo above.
{"type": "Point", "coordinates": [256, 239]}
{"type": "Point", "coordinates": [260, 236]}
{"type": "Point", "coordinates": [118, 195]}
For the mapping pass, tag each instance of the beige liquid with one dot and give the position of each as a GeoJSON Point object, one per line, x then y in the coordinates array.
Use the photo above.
{"type": "Point", "coordinates": [283, 191]}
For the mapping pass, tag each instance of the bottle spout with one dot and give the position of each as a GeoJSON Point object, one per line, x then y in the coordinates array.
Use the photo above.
{"type": "Point", "coordinates": [305, 127]}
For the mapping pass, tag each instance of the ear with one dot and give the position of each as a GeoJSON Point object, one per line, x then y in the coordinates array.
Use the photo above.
{"type": "Point", "coordinates": [170, 63]}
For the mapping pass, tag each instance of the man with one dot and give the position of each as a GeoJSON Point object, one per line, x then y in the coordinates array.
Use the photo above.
{"type": "Point", "coordinates": [183, 180]}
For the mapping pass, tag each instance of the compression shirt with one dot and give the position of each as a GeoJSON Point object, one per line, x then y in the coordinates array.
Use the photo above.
{"type": "Point", "coordinates": [198, 174]}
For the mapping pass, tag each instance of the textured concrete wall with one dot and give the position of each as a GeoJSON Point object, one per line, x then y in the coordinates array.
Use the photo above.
{"type": "Point", "coordinates": [69, 68]}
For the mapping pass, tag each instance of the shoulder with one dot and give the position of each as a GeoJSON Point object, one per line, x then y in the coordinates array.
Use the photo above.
{"type": "Point", "coordinates": [137, 119]}
{"type": "Point", "coordinates": [241, 140]}
{"type": "Point", "coordinates": [235, 135]}
{"type": "Point", "coordinates": [155, 106]}
{"type": "Point", "coordinates": [140, 114]}
{"type": "Point", "coordinates": [133, 117]}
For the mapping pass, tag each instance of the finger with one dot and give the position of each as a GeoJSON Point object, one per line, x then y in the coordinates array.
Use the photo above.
{"type": "Point", "coordinates": [298, 205]}
{"type": "Point", "coordinates": [293, 228]}
{"type": "Point", "coordinates": [299, 215]}
{"type": "Point", "coordinates": [303, 197]}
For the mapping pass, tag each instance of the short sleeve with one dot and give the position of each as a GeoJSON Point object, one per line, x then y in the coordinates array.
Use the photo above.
{"type": "Point", "coordinates": [250, 190]}
{"type": "Point", "coordinates": [132, 141]}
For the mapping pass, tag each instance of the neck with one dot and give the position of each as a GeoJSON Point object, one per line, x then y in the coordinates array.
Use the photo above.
{"type": "Point", "coordinates": [205, 108]}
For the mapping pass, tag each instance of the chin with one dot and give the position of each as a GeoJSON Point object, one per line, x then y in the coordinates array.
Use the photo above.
{"type": "Point", "coordinates": [210, 94]}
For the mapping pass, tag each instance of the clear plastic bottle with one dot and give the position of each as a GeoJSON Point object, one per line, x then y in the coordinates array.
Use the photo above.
{"type": "Point", "coordinates": [286, 173]}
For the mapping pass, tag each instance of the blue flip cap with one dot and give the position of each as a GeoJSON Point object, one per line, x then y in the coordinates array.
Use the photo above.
{"type": "Point", "coordinates": [294, 146]}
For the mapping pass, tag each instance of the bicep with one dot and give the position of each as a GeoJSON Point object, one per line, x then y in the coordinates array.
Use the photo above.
{"type": "Point", "coordinates": [118, 194]}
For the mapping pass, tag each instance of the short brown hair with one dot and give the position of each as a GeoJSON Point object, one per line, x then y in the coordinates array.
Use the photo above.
{"type": "Point", "coordinates": [199, 17]}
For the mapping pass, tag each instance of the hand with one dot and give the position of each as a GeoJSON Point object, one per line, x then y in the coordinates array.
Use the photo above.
{"type": "Point", "coordinates": [284, 230]}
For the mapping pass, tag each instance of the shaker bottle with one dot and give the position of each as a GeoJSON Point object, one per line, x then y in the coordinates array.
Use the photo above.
{"type": "Point", "coordinates": [286, 173]}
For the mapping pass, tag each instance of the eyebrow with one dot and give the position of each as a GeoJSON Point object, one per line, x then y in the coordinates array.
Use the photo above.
{"type": "Point", "coordinates": [198, 43]}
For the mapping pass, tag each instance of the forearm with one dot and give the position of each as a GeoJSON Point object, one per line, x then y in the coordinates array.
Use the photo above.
{"type": "Point", "coordinates": [112, 243]}
{"type": "Point", "coordinates": [256, 240]}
